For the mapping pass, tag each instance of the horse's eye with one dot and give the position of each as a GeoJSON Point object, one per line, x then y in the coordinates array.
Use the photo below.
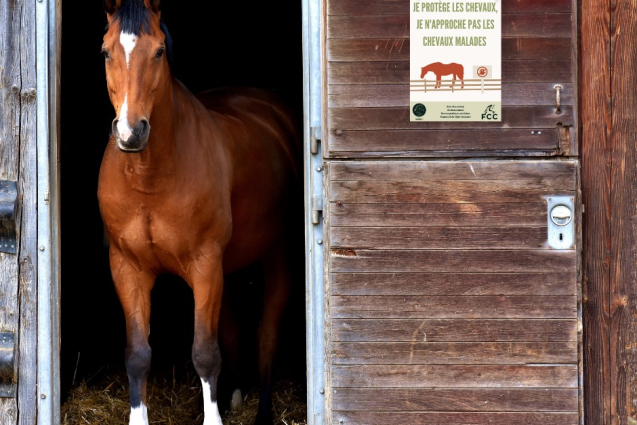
{"type": "Point", "coordinates": [106, 54]}
{"type": "Point", "coordinates": [160, 52]}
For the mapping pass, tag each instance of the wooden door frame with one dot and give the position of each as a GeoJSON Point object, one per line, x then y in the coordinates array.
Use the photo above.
{"type": "Point", "coordinates": [608, 106]}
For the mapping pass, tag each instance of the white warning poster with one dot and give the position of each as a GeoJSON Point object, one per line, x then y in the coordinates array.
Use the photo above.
{"type": "Point", "coordinates": [456, 61]}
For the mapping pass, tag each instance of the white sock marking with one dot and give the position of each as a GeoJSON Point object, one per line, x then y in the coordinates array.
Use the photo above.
{"type": "Point", "coordinates": [122, 122]}
{"type": "Point", "coordinates": [138, 415]}
{"type": "Point", "coordinates": [128, 41]}
{"type": "Point", "coordinates": [210, 409]}
{"type": "Point", "coordinates": [237, 399]}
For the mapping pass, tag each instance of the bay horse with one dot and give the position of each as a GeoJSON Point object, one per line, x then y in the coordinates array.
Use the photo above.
{"type": "Point", "coordinates": [440, 69]}
{"type": "Point", "coordinates": [195, 187]}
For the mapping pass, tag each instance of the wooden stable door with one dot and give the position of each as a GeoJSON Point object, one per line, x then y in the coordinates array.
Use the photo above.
{"type": "Point", "coordinates": [447, 300]}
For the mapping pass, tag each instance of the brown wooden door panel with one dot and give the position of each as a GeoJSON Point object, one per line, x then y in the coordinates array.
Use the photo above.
{"type": "Point", "coordinates": [444, 297]}
{"type": "Point", "coordinates": [366, 62]}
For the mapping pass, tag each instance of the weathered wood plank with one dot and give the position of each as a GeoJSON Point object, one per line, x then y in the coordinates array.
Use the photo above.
{"type": "Point", "coordinates": [386, 72]}
{"type": "Point", "coordinates": [456, 400]}
{"type": "Point", "coordinates": [493, 170]}
{"type": "Point", "coordinates": [437, 142]}
{"type": "Point", "coordinates": [11, 92]}
{"type": "Point", "coordinates": [535, 284]}
{"type": "Point", "coordinates": [27, 371]}
{"type": "Point", "coordinates": [354, 26]}
{"type": "Point", "coordinates": [456, 307]}
{"type": "Point", "coordinates": [447, 191]}
{"type": "Point", "coordinates": [397, 49]}
{"type": "Point", "coordinates": [452, 376]}
{"type": "Point", "coordinates": [531, 117]}
{"type": "Point", "coordinates": [399, 7]}
{"type": "Point", "coordinates": [622, 257]}
{"type": "Point", "coordinates": [374, 95]}
{"type": "Point", "coordinates": [476, 261]}
{"type": "Point", "coordinates": [466, 214]}
{"type": "Point", "coordinates": [454, 330]}
{"type": "Point", "coordinates": [439, 237]}
{"type": "Point", "coordinates": [597, 191]}
{"type": "Point", "coordinates": [453, 352]}
{"type": "Point", "coordinates": [446, 418]}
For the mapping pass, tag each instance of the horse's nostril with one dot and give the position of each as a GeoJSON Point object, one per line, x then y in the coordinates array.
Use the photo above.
{"type": "Point", "coordinates": [142, 129]}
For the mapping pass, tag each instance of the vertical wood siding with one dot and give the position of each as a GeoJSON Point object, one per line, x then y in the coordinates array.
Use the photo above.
{"type": "Point", "coordinates": [445, 303]}
{"type": "Point", "coordinates": [18, 309]}
{"type": "Point", "coordinates": [367, 61]}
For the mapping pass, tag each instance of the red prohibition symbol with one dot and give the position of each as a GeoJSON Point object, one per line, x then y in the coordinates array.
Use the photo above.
{"type": "Point", "coordinates": [482, 71]}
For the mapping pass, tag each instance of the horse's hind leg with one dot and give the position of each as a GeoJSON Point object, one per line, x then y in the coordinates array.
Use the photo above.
{"type": "Point", "coordinates": [133, 288]}
{"type": "Point", "coordinates": [276, 295]}
{"type": "Point", "coordinates": [206, 281]}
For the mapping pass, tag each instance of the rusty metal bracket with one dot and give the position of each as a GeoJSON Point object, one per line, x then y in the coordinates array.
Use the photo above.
{"type": "Point", "coordinates": [8, 213]}
{"type": "Point", "coordinates": [6, 364]}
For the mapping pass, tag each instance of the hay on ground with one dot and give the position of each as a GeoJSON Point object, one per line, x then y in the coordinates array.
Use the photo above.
{"type": "Point", "coordinates": [173, 403]}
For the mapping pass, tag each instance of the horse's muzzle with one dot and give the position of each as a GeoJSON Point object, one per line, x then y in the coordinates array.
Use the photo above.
{"type": "Point", "coordinates": [138, 138]}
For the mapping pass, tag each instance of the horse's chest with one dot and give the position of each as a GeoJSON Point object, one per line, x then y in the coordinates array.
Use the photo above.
{"type": "Point", "coordinates": [163, 240]}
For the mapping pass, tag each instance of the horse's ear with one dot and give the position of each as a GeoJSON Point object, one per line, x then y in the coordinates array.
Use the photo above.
{"type": "Point", "coordinates": [111, 6]}
{"type": "Point", "coordinates": [154, 5]}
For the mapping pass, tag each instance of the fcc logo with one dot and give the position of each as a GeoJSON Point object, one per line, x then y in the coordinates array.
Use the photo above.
{"type": "Point", "coordinates": [489, 113]}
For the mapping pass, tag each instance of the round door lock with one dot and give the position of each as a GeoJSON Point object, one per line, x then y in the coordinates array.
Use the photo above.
{"type": "Point", "coordinates": [561, 215]}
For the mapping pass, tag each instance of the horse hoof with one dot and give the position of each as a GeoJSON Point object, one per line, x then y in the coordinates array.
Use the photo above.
{"type": "Point", "coordinates": [237, 400]}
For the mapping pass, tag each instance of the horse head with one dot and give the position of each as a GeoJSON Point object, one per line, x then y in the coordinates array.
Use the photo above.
{"type": "Point", "coordinates": [137, 70]}
{"type": "Point", "coordinates": [423, 71]}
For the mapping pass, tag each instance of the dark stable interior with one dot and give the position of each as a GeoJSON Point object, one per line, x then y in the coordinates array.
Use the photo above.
{"type": "Point", "coordinates": [216, 44]}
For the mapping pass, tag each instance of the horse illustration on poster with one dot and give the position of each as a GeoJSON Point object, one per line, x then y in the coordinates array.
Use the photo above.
{"type": "Point", "coordinates": [444, 69]}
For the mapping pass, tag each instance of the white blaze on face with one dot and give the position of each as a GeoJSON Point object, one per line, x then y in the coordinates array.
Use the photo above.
{"type": "Point", "coordinates": [128, 42]}
{"type": "Point", "coordinates": [122, 121]}
{"type": "Point", "coordinates": [139, 415]}
{"type": "Point", "coordinates": [210, 409]}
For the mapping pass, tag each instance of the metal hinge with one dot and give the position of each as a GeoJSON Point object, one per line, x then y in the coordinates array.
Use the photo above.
{"type": "Point", "coordinates": [8, 210]}
{"type": "Point", "coordinates": [315, 139]}
{"type": "Point", "coordinates": [317, 209]}
{"type": "Point", "coordinates": [6, 364]}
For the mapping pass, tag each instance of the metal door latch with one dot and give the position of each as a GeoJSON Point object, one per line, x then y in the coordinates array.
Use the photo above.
{"type": "Point", "coordinates": [6, 364]}
{"type": "Point", "coordinates": [317, 208]}
{"type": "Point", "coordinates": [561, 223]}
{"type": "Point", "coordinates": [558, 98]}
{"type": "Point", "coordinates": [8, 210]}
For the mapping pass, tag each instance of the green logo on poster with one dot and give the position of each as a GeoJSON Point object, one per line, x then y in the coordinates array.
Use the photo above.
{"type": "Point", "coordinates": [489, 113]}
{"type": "Point", "coordinates": [419, 109]}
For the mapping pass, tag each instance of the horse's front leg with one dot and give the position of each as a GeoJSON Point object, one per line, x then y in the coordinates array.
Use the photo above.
{"type": "Point", "coordinates": [206, 280]}
{"type": "Point", "coordinates": [133, 287]}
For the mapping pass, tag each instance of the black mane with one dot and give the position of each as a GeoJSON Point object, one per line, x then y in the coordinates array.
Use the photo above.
{"type": "Point", "coordinates": [134, 18]}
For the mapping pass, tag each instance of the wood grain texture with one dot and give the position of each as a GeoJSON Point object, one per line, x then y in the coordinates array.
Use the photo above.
{"type": "Point", "coordinates": [397, 50]}
{"type": "Point", "coordinates": [453, 352]}
{"type": "Point", "coordinates": [453, 284]}
{"type": "Point", "coordinates": [438, 214]}
{"type": "Point", "coordinates": [446, 418]}
{"type": "Point", "coordinates": [451, 307]}
{"type": "Point", "coordinates": [11, 94]}
{"type": "Point", "coordinates": [436, 143]}
{"type": "Point", "coordinates": [393, 72]}
{"type": "Point", "coordinates": [400, 7]}
{"type": "Point", "coordinates": [454, 330]}
{"type": "Point", "coordinates": [460, 191]}
{"type": "Point", "coordinates": [27, 374]}
{"type": "Point", "coordinates": [597, 190]}
{"type": "Point", "coordinates": [18, 309]}
{"type": "Point", "coordinates": [532, 117]}
{"type": "Point", "coordinates": [439, 237]}
{"type": "Point", "coordinates": [397, 26]}
{"type": "Point", "coordinates": [503, 170]}
{"type": "Point", "coordinates": [455, 376]}
{"type": "Point", "coordinates": [456, 400]}
{"type": "Point", "coordinates": [623, 225]}
{"type": "Point", "coordinates": [386, 95]}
